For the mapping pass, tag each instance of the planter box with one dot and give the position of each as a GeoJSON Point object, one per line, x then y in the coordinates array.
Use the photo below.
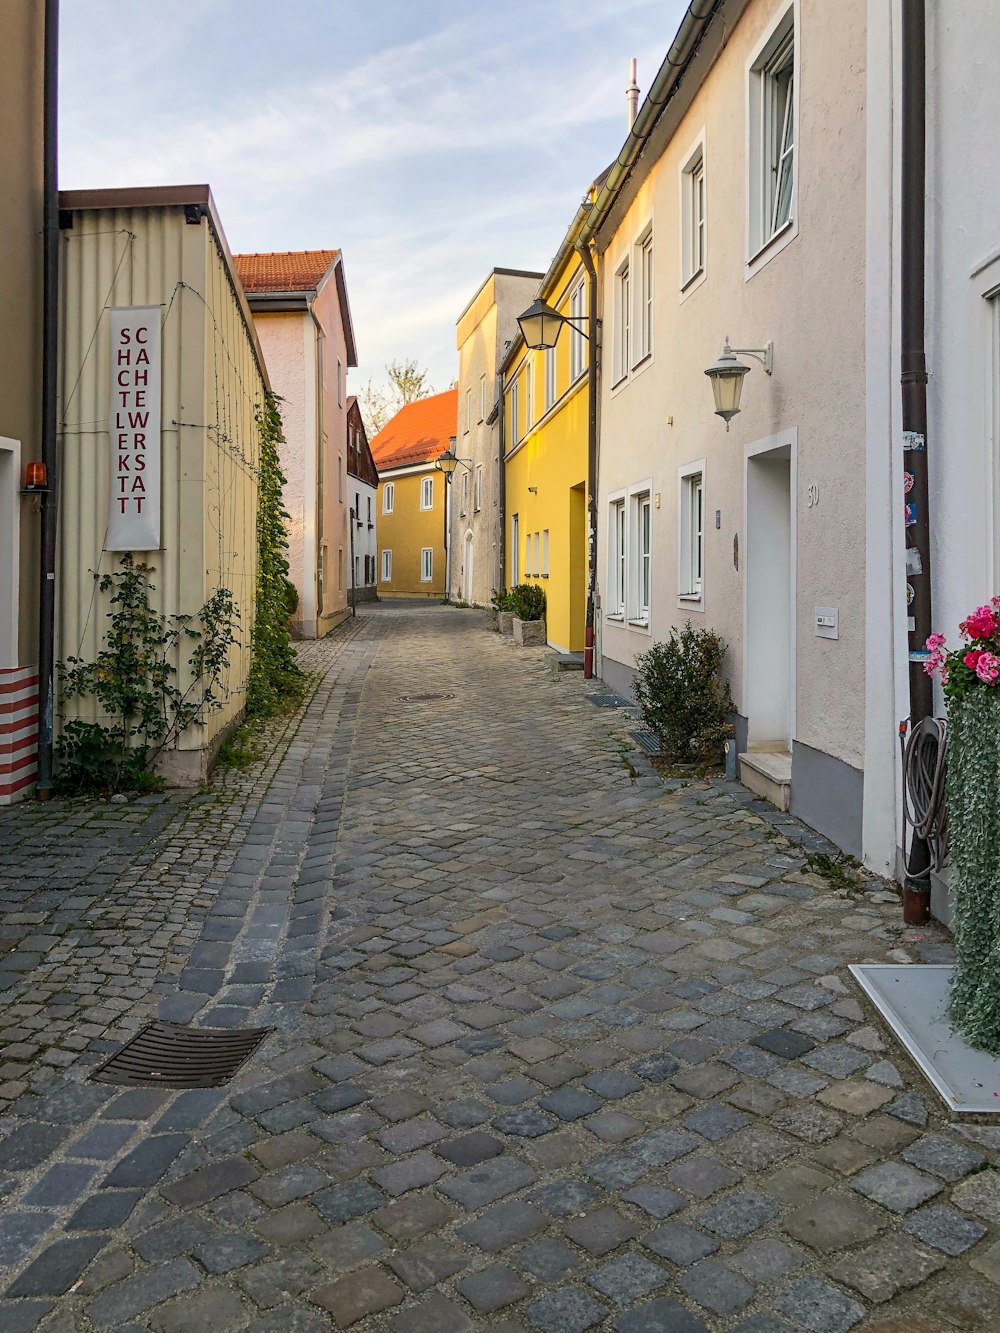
{"type": "Point", "coordinates": [495, 621]}
{"type": "Point", "coordinates": [529, 633]}
{"type": "Point", "coordinates": [507, 623]}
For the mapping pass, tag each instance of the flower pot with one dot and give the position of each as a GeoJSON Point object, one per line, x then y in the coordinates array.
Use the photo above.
{"type": "Point", "coordinates": [506, 619]}
{"type": "Point", "coordinates": [529, 633]}
{"type": "Point", "coordinates": [973, 794]}
{"type": "Point", "coordinates": [495, 620]}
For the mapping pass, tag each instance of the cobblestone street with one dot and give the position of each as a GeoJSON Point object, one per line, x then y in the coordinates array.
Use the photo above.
{"type": "Point", "coordinates": [558, 1044]}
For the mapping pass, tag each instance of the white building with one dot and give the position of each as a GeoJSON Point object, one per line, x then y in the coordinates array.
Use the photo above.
{"type": "Point", "coordinates": [362, 486]}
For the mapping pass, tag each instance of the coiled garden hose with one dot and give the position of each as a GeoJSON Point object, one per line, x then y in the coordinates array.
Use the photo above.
{"type": "Point", "coordinates": [925, 766]}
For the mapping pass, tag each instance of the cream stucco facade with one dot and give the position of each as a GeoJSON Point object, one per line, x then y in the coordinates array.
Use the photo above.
{"type": "Point", "coordinates": [755, 532]}
{"type": "Point", "coordinates": [484, 331]}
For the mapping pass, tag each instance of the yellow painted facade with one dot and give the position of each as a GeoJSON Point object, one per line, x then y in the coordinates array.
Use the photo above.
{"type": "Point", "coordinates": [409, 530]}
{"type": "Point", "coordinates": [545, 433]}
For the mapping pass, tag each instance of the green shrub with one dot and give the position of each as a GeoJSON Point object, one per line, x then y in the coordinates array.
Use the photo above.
{"type": "Point", "coordinates": [291, 598]}
{"type": "Point", "coordinates": [500, 601]}
{"type": "Point", "coordinates": [682, 695]}
{"type": "Point", "coordinates": [527, 601]}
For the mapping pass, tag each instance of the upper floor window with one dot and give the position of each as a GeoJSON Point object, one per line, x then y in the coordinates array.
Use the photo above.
{"type": "Point", "coordinates": [388, 497]}
{"type": "Point", "coordinates": [477, 494]}
{"type": "Point", "coordinates": [623, 322]}
{"type": "Point", "coordinates": [644, 313]}
{"type": "Point", "coordinates": [693, 217]}
{"type": "Point", "coordinates": [692, 534]}
{"type": "Point", "coordinates": [772, 135]}
{"type": "Point", "coordinates": [578, 336]}
{"type": "Point", "coordinates": [427, 493]}
{"type": "Point", "coordinates": [340, 383]}
{"type": "Point", "coordinates": [468, 410]}
{"type": "Point", "coordinates": [465, 493]}
{"type": "Point", "coordinates": [515, 423]}
{"type": "Point", "coordinates": [482, 398]}
{"type": "Point", "coordinates": [550, 377]}
{"type": "Point", "coordinates": [529, 393]}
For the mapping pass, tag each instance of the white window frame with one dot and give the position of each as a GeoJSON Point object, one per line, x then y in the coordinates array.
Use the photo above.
{"type": "Point", "coordinates": [464, 509]}
{"type": "Point", "coordinates": [538, 555]}
{"type": "Point", "coordinates": [691, 542]}
{"type": "Point", "coordinates": [578, 338]}
{"type": "Point", "coordinates": [640, 554]}
{"type": "Point", "coordinates": [426, 564]}
{"type": "Point", "coordinates": [515, 553]}
{"type": "Point", "coordinates": [468, 410]}
{"type": "Point", "coordinates": [551, 377]}
{"type": "Point", "coordinates": [643, 315]}
{"type": "Point", "coordinates": [545, 553]}
{"type": "Point", "coordinates": [477, 490]}
{"type": "Point", "coordinates": [617, 590]}
{"type": "Point", "coordinates": [426, 493]}
{"type": "Point", "coordinates": [772, 147]}
{"type": "Point", "coordinates": [527, 555]}
{"type": "Point", "coordinates": [340, 383]}
{"type": "Point", "coordinates": [388, 497]}
{"type": "Point", "coordinates": [515, 397]}
{"type": "Point", "coordinates": [529, 393]}
{"type": "Point", "coordinates": [693, 190]}
{"type": "Point", "coordinates": [623, 321]}
{"type": "Point", "coordinates": [482, 398]}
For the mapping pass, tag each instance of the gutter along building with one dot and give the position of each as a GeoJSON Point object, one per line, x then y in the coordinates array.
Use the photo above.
{"type": "Point", "coordinates": [21, 211]}
{"type": "Point", "coordinates": [412, 504]}
{"type": "Point", "coordinates": [161, 375]}
{"type": "Point", "coordinates": [303, 318]}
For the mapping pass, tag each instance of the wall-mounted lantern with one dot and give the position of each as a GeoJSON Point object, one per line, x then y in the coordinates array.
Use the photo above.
{"type": "Point", "coordinates": [727, 376]}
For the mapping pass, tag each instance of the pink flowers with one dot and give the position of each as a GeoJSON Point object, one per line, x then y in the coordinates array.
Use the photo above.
{"type": "Point", "coordinates": [974, 663]}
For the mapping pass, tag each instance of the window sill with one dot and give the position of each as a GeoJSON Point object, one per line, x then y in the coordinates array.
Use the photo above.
{"type": "Point", "coordinates": [617, 384]}
{"type": "Point", "coordinates": [616, 616]}
{"type": "Point", "coordinates": [641, 623]}
{"type": "Point", "coordinates": [772, 245]}
{"type": "Point", "coordinates": [642, 363]}
{"type": "Point", "coordinates": [690, 281]}
{"type": "Point", "coordinates": [690, 597]}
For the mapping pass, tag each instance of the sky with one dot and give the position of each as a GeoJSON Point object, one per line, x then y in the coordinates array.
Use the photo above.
{"type": "Point", "coordinates": [429, 141]}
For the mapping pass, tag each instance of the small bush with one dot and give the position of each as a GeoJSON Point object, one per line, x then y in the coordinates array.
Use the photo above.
{"type": "Point", "coordinates": [500, 601]}
{"type": "Point", "coordinates": [682, 695]}
{"type": "Point", "coordinates": [527, 601]}
{"type": "Point", "coordinates": [291, 598]}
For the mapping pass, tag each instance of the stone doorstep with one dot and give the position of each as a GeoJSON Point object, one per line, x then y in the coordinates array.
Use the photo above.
{"type": "Point", "coordinates": [768, 773]}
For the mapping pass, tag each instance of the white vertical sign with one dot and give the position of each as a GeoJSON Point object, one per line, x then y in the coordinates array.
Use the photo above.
{"type": "Point", "coordinates": [134, 429]}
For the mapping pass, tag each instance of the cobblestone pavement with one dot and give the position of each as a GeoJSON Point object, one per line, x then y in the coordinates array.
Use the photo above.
{"type": "Point", "coordinates": [557, 1046]}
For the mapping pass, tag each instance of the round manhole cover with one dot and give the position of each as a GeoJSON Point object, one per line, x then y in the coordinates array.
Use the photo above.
{"type": "Point", "coordinates": [423, 698]}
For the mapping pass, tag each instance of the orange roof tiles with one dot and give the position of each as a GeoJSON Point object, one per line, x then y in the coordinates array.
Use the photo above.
{"type": "Point", "coordinates": [285, 271]}
{"type": "Point", "coordinates": [420, 432]}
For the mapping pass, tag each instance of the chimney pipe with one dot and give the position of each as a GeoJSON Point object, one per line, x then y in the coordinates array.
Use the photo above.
{"type": "Point", "coordinates": [632, 94]}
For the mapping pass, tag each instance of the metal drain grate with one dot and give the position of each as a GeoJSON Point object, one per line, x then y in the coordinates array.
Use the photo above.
{"type": "Point", "coordinates": [169, 1055]}
{"type": "Point", "coordinates": [647, 741]}
{"type": "Point", "coordinates": [608, 701]}
{"type": "Point", "coordinates": [423, 698]}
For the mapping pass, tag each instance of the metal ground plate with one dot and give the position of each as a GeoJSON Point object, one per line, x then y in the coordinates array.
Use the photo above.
{"type": "Point", "coordinates": [170, 1055]}
{"type": "Point", "coordinates": [912, 1000]}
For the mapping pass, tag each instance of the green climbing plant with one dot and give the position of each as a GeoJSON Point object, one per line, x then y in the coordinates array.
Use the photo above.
{"type": "Point", "coordinates": [134, 682]}
{"type": "Point", "coordinates": [276, 681]}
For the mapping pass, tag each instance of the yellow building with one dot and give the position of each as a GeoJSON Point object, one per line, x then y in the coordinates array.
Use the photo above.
{"type": "Point", "coordinates": [412, 502]}
{"type": "Point", "coordinates": [545, 456]}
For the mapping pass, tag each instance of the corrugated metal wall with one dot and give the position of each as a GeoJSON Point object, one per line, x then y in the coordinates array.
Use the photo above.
{"type": "Point", "coordinates": [210, 386]}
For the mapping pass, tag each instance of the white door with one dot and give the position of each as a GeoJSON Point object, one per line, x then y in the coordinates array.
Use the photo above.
{"type": "Point", "coordinates": [467, 569]}
{"type": "Point", "coordinates": [769, 618]}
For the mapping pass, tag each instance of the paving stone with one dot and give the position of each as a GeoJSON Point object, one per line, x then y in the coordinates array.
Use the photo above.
{"type": "Point", "coordinates": [845, 1155]}
{"type": "Point", "coordinates": [289, 1225]}
{"type": "Point", "coordinates": [210, 1182]}
{"type": "Point", "coordinates": [739, 1215]}
{"type": "Point", "coordinates": [492, 1288]}
{"type": "Point", "coordinates": [768, 1259]}
{"type": "Point", "coordinates": [895, 1186]}
{"type": "Point", "coordinates": [197, 1311]}
{"type": "Point", "coordinates": [702, 1176]}
{"type": "Point", "coordinates": [548, 1259]}
{"type": "Point", "coordinates": [612, 1084]}
{"type": "Point", "coordinates": [569, 1310]}
{"type": "Point", "coordinates": [525, 1123]}
{"type": "Point", "coordinates": [716, 1287]}
{"type": "Point", "coordinates": [716, 1121]}
{"type": "Point", "coordinates": [881, 1271]}
{"type": "Point", "coordinates": [57, 1268]}
{"type": "Point", "coordinates": [569, 1103]}
{"type": "Point", "coordinates": [613, 1126]}
{"type": "Point", "coordinates": [346, 1202]}
{"type": "Point", "coordinates": [285, 1149]}
{"type": "Point", "coordinates": [819, 1306]}
{"type": "Point", "coordinates": [964, 1301]}
{"type": "Point", "coordinates": [401, 1104]}
{"type": "Point", "coordinates": [601, 1231]}
{"type": "Point", "coordinates": [368, 1291]}
{"type": "Point", "coordinates": [679, 1243]}
{"type": "Point", "coordinates": [808, 1121]}
{"type": "Point", "coordinates": [502, 1225]}
{"type": "Point", "coordinates": [628, 1278]}
{"type": "Point", "coordinates": [830, 1221]}
{"type": "Point", "coordinates": [488, 1182]}
{"type": "Point", "coordinates": [105, 1209]}
{"type": "Point", "coordinates": [885, 1134]}
{"type": "Point", "coordinates": [172, 1238]}
{"type": "Point", "coordinates": [656, 1068]}
{"type": "Point", "coordinates": [131, 1298]}
{"type": "Point", "coordinates": [980, 1195]}
{"type": "Point", "coordinates": [413, 1217]}
{"type": "Point", "coordinates": [223, 1254]}
{"type": "Point", "coordinates": [434, 1315]}
{"type": "Point", "coordinates": [945, 1229]}
{"type": "Point", "coordinates": [564, 1198]}
{"type": "Point", "coordinates": [911, 1108]}
{"type": "Point", "coordinates": [465, 1113]}
{"type": "Point", "coordinates": [655, 1200]}
{"type": "Point", "coordinates": [706, 1080]}
{"type": "Point", "coordinates": [427, 1263]}
{"type": "Point", "coordinates": [411, 1134]}
{"type": "Point", "coordinates": [943, 1156]}
{"type": "Point", "coordinates": [411, 1173]}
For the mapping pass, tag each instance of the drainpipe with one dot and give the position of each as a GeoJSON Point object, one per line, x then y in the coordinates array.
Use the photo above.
{"type": "Point", "coordinates": [913, 379]}
{"type": "Point", "coordinates": [592, 373]}
{"type": "Point", "coordinates": [502, 474]}
{"type": "Point", "coordinates": [50, 456]}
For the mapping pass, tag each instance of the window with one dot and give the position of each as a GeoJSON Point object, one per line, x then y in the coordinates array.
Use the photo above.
{"type": "Point", "coordinates": [577, 338]}
{"type": "Point", "coordinates": [340, 383]}
{"type": "Point", "coordinates": [465, 493]}
{"type": "Point", "coordinates": [468, 410]}
{"type": "Point", "coordinates": [529, 393]}
{"type": "Point", "coordinates": [369, 498]}
{"type": "Point", "coordinates": [617, 551]}
{"type": "Point", "coordinates": [388, 497]}
{"type": "Point", "coordinates": [477, 494]}
{"type": "Point", "coordinates": [693, 216]}
{"type": "Point", "coordinates": [515, 573]}
{"type": "Point", "coordinates": [644, 321]}
{"type": "Point", "coordinates": [386, 566]}
{"type": "Point", "coordinates": [340, 478]}
{"type": "Point", "coordinates": [357, 571]}
{"type": "Point", "coordinates": [772, 135]}
{"type": "Point", "coordinates": [427, 493]}
{"type": "Point", "coordinates": [340, 568]}
{"type": "Point", "coordinates": [496, 481]}
{"type": "Point", "coordinates": [426, 564]}
{"type": "Point", "coordinates": [482, 398]}
{"type": "Point", "coordinates": [623, 322]}
{"type": "Point", "coordinates": [550, 377]}
{"type": "Point", "coordinates": [515, 393]}
{"type": "Point", "coordinates": [692, 534]}
{"type": "Point", "coordinates": [545, 554]}
{"type": "Point", "coordinates": [527, 555]}
{"type": "Point", "coordinates": [641, 518]}
{"type": "Point", "coordinates": [538, 552]}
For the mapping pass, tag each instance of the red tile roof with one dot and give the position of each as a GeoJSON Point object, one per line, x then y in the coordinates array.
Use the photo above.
{"type": "Point", "coordinates": [420, 432]}
{"type": "Point", "coordinates": [285, 271]}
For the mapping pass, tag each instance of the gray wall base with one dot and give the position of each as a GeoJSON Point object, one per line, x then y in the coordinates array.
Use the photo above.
{"type": "Point", "coordinates": [828, 795]}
